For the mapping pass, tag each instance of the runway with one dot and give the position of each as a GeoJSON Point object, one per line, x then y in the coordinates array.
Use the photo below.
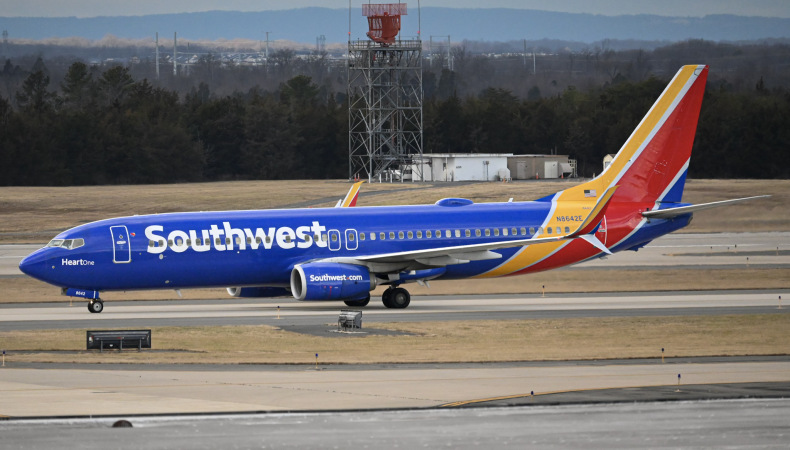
{"type": "Point", "coordinates": [288, 312]}
{"type": "Point", "coordinates": [746, 423]}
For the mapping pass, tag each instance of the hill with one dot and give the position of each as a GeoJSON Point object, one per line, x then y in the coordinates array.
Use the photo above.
{"type": "Point", "coordinates": [493, 24]}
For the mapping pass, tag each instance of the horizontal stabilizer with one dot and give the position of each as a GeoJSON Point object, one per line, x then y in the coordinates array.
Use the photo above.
{"type": "Point", "coordinates": [680, 210]}
{"type": "Point", "coordinates": [596, 243]}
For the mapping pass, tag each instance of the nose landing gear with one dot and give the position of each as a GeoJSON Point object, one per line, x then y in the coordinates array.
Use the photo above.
{"type": "Point", "coordinates": [96, 305]}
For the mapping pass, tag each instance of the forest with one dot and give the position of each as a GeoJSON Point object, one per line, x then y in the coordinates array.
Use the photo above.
{"type": "Point", "coordinates": [72, 123]}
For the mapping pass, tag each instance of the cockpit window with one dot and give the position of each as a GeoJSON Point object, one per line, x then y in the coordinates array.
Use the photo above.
{"type": "Point", "coordinates": [69, 244]}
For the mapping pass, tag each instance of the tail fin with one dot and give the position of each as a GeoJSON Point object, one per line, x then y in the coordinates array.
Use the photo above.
{"type": "Point", "coordinates": [351, 198]}
{"type": "Point", "coordinates": [651, 166]}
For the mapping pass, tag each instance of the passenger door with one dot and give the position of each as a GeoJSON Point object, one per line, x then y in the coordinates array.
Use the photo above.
{"type": "Point", "coordinates": [121, 245]}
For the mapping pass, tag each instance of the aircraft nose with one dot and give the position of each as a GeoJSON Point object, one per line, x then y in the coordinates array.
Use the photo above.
{"type": "Point", "coordinates": [35, 265]}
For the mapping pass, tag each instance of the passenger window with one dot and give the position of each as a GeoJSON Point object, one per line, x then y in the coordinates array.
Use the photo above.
{"type": "Point", "coordinates": [351, 236]}
{"type": "Point", "coordinates": [419, 234]}
{"type": "Point", "coordinates": [488, 232]}
{"type": "Point", "coordinates": [523, 231]}
{"type": "Point", "coordinates": [467, 233]}
{"type": "Point", "coordinates": [227, 241]}
{"type": "Point", "coordinates": [161, 243]}
{"type": "Point", "coordinates": [189, 242]}
{"type": "Point", "coordinates": [392, 235]}
{"type": "Point", "coordinates": [288, 239]}
{"type": "Point", "coordinates": [504, 231]}
{"type": "Point", "coordinates": [457, 233]}
{"type": "Point", "coordinates": [447, 233]}
{"type": "Point", "coordinates": [372, 236]}
{"type": "Point", "coordinates": [258, 240]}
{"type": "Point", "coordinates": [532, 230]}
{"type": "Point", "coordinates": [496, 231]}
{"type": "Point", "coordinates": [307, 238]}
{"type": "Point", "coordinates": [477, 233]}
{"type": "Point", "coordinates": [382, 236]}
{"type": "Point", "coordinates": [400, 234]}
{"type": "Point", "coordinates": [151, 244]}
{"type": "Point", "coordinates": [559, 230]}
{"type": "Point", "coordinates": [361, 236]}
{"type": "Point", "coordinates": [170, 242]}
{"type": "Point", "coordinates": [410, 235]}
{"type": "Point", "coordinates": [428, 233]}
{"type": "Point", "coordinates": [323, 238]}
{"type": "Point", "coordinates": [513, 231]}
{"type": "Point", "coordinates": [567, 229]}
{"type": "Point", "coordinates": [249, 239]}
{"type": "Point", "coordinates": [238, 241]}
{"type": "Point", "coordinates": [334, 237]}
{"type": "Point", "coordinates": [548, 230]}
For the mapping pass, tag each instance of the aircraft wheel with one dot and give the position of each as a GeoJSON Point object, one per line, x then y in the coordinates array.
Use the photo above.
{"type": "Point", "coordinates": [399, 298]}
{"type": "Point", "coordinates": [358, 303]}
{"type": "Point", "coordinates": [96, 306]}
{"type": "Point", "coordinates": [386, 296]}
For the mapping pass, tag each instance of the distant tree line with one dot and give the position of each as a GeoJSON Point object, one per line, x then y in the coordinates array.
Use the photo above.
{"type": "Point", "coordinates": [107, 126]}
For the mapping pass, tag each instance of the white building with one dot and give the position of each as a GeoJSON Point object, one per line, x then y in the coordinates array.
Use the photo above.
{"type": "Point", "coordinates": [463, 167]}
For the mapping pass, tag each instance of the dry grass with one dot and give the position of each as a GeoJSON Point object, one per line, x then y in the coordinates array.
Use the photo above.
{"type": "Point", "coordinates": [468, 341]}
{"type": "Point", "coordinates": [35, 214]}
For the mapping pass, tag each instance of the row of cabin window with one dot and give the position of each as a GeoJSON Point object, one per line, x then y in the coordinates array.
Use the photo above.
{"type": "Point", "coordinates": [382, 236]}
{"type": "Point", "coordinates": [467, 233]}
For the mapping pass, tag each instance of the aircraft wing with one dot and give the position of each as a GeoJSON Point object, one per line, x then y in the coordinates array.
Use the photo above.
{"type": "Point", "coordinates": [680, 210]}
{"type": "Point", "coordinates": [458, 254]}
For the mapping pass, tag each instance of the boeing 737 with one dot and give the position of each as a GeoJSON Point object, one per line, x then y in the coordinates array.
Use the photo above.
{"type": "Point", "coordinates": [343, 253]}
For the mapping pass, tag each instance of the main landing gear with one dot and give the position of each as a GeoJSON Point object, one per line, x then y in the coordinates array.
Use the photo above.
{"type": "Point", "coordinates": [396, 297]}
{"type": "Point", "coordinates": [96, 305]}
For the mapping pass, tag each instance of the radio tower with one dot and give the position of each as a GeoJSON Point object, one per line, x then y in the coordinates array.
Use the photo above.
{"type": "Point", "coordinates": [385, 98]}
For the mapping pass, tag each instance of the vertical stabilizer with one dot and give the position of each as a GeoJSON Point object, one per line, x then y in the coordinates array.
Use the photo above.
{"type": "Point", "coordinates": [651, 166]}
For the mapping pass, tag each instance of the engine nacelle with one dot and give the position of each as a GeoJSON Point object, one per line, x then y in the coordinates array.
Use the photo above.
{"type": "Point", "coordinates": [258, 292]}
{"type": "Point", "coordinates": [331, 281]}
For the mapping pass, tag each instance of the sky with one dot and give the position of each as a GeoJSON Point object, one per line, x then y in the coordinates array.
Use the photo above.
{"type": "Point", "coordinates": [682, 8]}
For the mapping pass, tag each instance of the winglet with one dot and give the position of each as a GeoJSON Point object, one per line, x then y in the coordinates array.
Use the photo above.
{"type": "Point", "coordinates": [351, 197]}
{"type": "Point", "coordinates": [596, 215]}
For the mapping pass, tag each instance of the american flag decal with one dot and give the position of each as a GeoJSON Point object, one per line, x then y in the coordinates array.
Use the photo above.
{"type": "Point", "coordinates": [590, 193]}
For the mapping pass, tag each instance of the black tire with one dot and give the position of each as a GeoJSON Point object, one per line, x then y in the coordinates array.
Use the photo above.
{"type": "Point", "coordinates": [385, 297]}
{"type": "Point", "coordinates": [400, 298]}
{"type": "Point", "coordinates": [358, 303]}
{"type": "Point", "coordinates": [96, 306]}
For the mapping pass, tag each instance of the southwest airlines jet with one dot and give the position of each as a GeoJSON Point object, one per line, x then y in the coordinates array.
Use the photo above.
{"type": "Point", "coordinates": [344, 253]}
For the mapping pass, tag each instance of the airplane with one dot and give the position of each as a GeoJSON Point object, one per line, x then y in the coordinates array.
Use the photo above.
{"type": "Point", "coordinates": [343, 253]}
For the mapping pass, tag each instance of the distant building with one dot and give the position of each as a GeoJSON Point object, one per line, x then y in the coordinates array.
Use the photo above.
{"type": "Point", "coordinates": [530, 167]}
{"type": "Point", "coordinates": [463, 167]}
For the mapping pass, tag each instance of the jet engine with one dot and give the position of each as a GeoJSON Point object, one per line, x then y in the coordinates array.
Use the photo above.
{"type": "Point", "coordinates": [331, 281]}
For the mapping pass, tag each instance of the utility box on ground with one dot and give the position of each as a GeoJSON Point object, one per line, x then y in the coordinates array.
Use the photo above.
{"type": "Point", "coordinates": [349, 319]}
